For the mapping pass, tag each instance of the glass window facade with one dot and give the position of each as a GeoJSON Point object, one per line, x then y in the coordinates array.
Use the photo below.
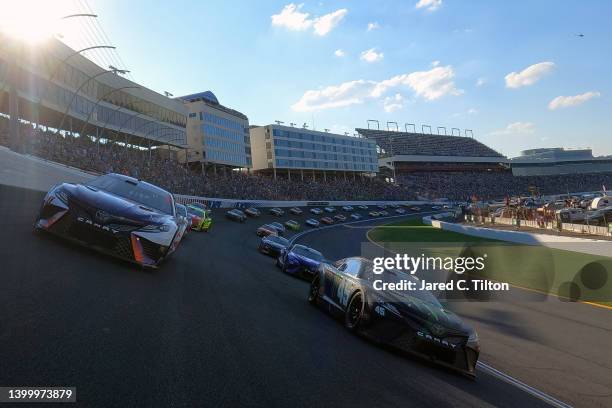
{"type": "Point", "coordinates": [310, 150]}
{"type": "Point", "coordinates": [226, 140]}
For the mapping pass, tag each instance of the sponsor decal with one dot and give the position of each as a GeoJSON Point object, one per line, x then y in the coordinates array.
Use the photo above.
{"type": "Point", "coordinates": [436, 340]}
{"type": "Point", "coordinates": [96, 225]}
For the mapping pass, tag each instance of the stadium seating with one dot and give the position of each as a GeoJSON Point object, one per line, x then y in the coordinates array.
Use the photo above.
{"type": "Point", "coordinates": [419, 144]}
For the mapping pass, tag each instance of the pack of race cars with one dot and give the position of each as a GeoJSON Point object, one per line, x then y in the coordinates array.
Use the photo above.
{"type": "Point", "coordinates": [141, 223]}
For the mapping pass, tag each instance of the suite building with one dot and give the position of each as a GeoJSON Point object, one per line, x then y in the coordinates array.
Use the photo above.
{"type": "Point", "coordinates": [298, 152]}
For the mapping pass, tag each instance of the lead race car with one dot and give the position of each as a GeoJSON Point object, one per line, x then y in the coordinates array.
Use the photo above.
{"type": "Point", "coordinates": [115, 214]}
{"type": "Point", "coordinates": [411, 320]}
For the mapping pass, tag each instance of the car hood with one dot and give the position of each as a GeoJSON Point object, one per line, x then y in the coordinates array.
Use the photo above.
{"type": "Point", "coordinates": [92, 200]}
{"type": "Point", "coordinates": [426, 313]}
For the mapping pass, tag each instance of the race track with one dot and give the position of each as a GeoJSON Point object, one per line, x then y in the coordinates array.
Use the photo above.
{"type": "Point", "coordinates": [217, 325]}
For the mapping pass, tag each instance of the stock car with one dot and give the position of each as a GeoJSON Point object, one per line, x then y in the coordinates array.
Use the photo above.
{"type": "Point", "coordinates": [199, 205]}
{"type": "Point", "coordinates": [273, 245]}
{"type": "Point", "coordinates": [316, 211]}
{"type": "Point", "coordinates": [276, 211]}
{"type": "Point", "coordinates": [327, 220]}
{"type": "Point", "coordinates": [296, 211]}
{"type": "Point", "coordinates": [410, 320]}
{"type": "Point", "coordinates": [184, 219]}
{"type": "Point", "coordinates": [118, 215]}
{"type": "Point", "coordinates": [347, 208]}
{"type": "Point", "coordinates": [356, 216]}
{"type": "Point", "coordinates": [381, 206]}
{"type": "Point", "coordinates": [415, 208]}
{"type": "Point", "coordinates": [311, 222]}
{"type": "Point", "coordinates": [383, 213]}
{"type": "Point", "coordinates": [374, 213]}
{"type": "Point", "coordinates": [339, 217]}
{"type": "Point", "coordinates": [200, 219]}
{"type": "Point", "coordinates": [280, 228]}
{"type": "Point", "coordinates": [299, 260]}
{"type": "Point", "coordinates": [362, 207]}
{"type": "Point", "coordinates": [252, 212]}
{"type": "Point", "coordinates": [329, 210]}
{"type": "Point", "coordinates": [236, 215]}
{"type": "Point", "coordinates": [266, 230]}
{"type": "Point", "coordinates": [292, 225]}
{"type": "Point", "coordinates": [400, 211]}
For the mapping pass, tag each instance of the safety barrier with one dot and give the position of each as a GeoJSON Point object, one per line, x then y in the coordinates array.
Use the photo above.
{"type": "Point", "coordinates": [550, 225]}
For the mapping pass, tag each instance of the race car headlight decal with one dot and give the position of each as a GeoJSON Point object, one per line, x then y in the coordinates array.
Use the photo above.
{"type": "Point", "coordinates": [156, 228]}
{"type": "Point", "coordinates": [61, 195]}
{"type": "Point", "coordinates": [391, 308]}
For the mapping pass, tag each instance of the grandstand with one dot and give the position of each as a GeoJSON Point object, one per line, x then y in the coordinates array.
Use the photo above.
{"type": "Point", "coordinates": [414, 152]}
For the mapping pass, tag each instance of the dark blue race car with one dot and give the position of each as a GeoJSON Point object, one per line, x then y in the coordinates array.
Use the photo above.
{"type": "Point", "coordinates": [300, 260]}
{"type": "Point", "coordinates": [118, 215]}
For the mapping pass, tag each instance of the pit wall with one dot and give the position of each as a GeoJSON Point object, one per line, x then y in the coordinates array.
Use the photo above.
{"type": "Point", "coordinates": [588, 246]}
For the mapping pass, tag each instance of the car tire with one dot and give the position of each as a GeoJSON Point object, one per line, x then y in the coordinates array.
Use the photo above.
{"type": "Point", "coordinates": [313, 294]}
{"type": "Point", "coordinates": [355, 312]}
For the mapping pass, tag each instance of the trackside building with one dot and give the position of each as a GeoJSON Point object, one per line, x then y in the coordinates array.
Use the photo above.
{"type": "Point", "coordinates": [217, 136]}
{"type": "Point", "coordinates": [296, 152]}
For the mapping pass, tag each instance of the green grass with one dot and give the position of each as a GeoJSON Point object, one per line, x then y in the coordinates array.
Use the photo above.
{"type": "Point", "coordinates": [540, 268]}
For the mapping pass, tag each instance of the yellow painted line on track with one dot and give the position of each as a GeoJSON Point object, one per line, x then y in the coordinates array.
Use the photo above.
{"type": "Point", "coordinates": [595, 304]}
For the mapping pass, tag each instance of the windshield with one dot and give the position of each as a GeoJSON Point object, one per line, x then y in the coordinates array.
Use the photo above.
{"type": "Point", "coordinates": [195, 211]}
{"type": "Point", "coordinates": [308, 253]}
{"type": "Point", "coordinates": [393, 276]}
{"type": "Point", "coordinates": [139, 192]}
{"type": "Point", "coordinates": [181, 210]}
{"type": "Point", "coordinates": [278, 240]}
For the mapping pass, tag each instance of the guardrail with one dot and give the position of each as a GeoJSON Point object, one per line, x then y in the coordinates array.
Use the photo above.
{"type": "Point", "coordinates": [567, 227]}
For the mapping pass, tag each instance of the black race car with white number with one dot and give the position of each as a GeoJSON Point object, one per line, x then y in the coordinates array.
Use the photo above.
{"type": "Point", "coordinates": [411, 320]}
{"type": "Point", "coordinates": [115, 214]}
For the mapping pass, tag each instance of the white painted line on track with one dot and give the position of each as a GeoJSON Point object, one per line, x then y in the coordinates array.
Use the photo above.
{"type": "Point", "coordinates": [482, 366]}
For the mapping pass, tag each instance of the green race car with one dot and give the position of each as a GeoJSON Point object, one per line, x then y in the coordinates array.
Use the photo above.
{"type": "Point", "coordinates": [201, 219]}
{"type": "Point", "coordinates": [292, 225]}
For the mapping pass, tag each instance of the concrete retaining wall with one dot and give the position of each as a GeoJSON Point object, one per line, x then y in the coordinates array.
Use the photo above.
{"type": "Point", "coordinates": [583, 245]}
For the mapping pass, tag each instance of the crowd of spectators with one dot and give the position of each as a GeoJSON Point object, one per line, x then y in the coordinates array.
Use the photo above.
{"type": "Point", "coordinates": [160, 168]}
{"type": "Point", "coordinates": [462, 186]}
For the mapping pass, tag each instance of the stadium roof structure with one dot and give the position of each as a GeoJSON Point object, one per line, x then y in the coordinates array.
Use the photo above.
{"type": "Point", "coordinates": [393, 143]}
{"type": "Point", "coordinates": [210, 99]}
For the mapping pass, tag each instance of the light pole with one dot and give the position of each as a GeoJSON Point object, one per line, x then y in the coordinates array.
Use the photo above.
{"type": "Point", "coordinates": [75, 93]}
{"type": "Point", "coordinates": [100, 100]}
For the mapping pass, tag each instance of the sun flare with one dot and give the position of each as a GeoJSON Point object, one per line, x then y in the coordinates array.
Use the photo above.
{"type": "Point", "coordinates": [34, 21]}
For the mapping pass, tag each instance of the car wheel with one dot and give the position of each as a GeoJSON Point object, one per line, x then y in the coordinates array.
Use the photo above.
{"type": "Point", "coordinates": [353, 316]}
{"type": "Point", "coordinates": [313, 294]}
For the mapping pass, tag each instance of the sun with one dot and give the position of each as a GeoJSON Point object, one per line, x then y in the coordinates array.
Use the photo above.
{"type": "Point", "coordinates": [33, 21]}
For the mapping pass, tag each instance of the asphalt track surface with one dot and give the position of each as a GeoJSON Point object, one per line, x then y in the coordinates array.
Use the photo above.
{"type": "Point", "coordinates": [218, 325]}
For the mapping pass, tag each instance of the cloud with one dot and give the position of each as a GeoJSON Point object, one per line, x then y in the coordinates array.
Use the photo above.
{"type": "Point", "coordinates": [373, 26]}
{"type": "Point", "coordinates": [339, 53]}
{"type": "Point", "coordinates": [472, 111]}
{"type": "Point", "coordinates": [429, 5]}
{"type": "Point", "coordinates": [292, 18]}
{"type": "Point", "coordinates": [393, 103]}
{"type": "Point", "coordinates": [568, 101]}
{"type": "Point", "coordinates": [371, 55]}
{"type": "Point", "coordinates": [516, 129]}
{"type": "Point", "coordinates": [430, 85]}
{"type": "Point", "coordinates": [481, 81]}
{"type": "Point", "coordinates": [326, 23]}
{"type": "Point", "coordinates": [529, 75]}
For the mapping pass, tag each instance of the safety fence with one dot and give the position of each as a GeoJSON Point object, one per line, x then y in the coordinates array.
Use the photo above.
{"type": "Point", "coordinates": [585, 229]}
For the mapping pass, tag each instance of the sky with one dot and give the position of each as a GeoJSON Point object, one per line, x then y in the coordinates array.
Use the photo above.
{"type": "Point", "coordinates": [514, 72]}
